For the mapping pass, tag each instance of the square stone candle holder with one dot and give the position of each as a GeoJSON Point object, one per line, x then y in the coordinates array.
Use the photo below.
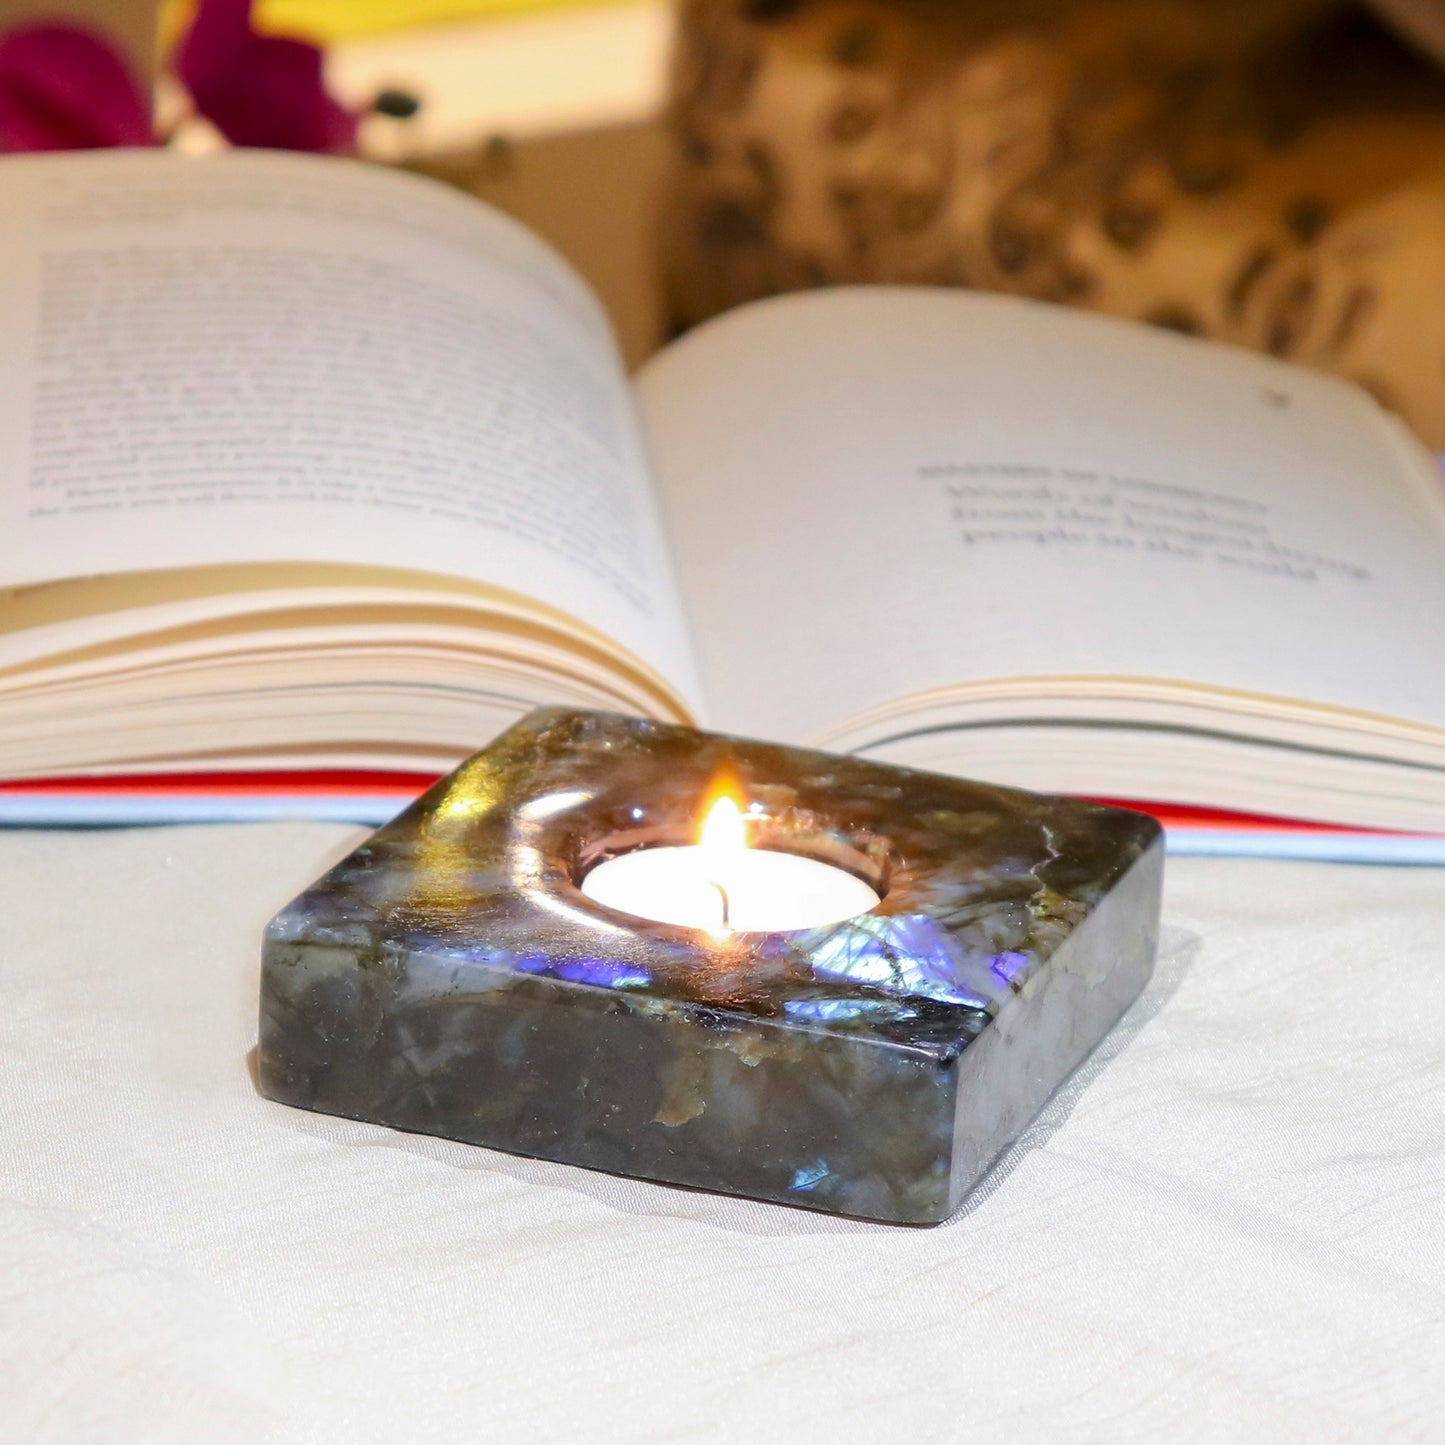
{"type": "Point", "coordinates": [451, 978]}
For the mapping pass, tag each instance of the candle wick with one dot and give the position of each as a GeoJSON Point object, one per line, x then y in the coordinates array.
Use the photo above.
{"type": "Point", "coordinates": [726, 905]}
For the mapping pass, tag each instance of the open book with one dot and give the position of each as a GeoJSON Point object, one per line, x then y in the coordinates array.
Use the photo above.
{"type": "Point", "coordinates": [309, 465]}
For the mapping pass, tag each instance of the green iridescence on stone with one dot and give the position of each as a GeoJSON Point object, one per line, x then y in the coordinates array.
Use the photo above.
{"type": "Point", "coordinates": [450, 978]}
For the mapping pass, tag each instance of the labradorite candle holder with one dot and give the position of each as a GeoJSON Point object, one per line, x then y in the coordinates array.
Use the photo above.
{"type": "Point", "coordinates": [449, 977]}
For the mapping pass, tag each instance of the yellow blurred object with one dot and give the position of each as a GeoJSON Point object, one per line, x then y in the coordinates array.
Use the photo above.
{"type": "Point", "coordinates": [342, 19]}
{"type": "Point", "coordinates": [329, 20]}
{"type": "Point", "coordinates": [557, 71]}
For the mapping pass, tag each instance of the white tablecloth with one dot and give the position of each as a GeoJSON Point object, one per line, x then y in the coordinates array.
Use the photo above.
{"type": "Point", "coordinates": [1231, 1225]}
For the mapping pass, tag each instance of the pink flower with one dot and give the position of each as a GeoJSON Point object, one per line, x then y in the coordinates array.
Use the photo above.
{"type": "Point", "coordinates": [260, 90]}
{"type": "Point", "coordinates": [62, 87]}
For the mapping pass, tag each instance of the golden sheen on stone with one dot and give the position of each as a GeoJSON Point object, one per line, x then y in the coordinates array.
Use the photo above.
{"type": "Point", "coordinates": [450, 977]}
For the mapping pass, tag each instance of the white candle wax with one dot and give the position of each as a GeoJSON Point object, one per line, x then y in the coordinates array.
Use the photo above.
{"type": "Point", "coordinates": [723, 886]}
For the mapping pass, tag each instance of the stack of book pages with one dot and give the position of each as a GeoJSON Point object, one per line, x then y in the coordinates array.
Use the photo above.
{"type": "Point", "coordinates": [314, 476]}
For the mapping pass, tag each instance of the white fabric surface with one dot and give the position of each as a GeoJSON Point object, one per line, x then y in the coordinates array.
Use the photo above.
{"type": "Point", "coordinates": [1232, 1223]}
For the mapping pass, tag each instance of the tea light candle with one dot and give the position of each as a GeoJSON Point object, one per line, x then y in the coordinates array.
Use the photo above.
{"type": "Point", "coordinates": [723, 886]}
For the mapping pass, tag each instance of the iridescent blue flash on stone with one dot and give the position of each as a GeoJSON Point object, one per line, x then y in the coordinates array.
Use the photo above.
{"type": "Point", "coordinates": [450, 978]}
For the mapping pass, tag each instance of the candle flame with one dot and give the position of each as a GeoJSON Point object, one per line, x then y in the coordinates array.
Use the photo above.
{"type": "Point", "coordinates": [724, 832]}
{"type": "Point", "coordinates": [722, 840]}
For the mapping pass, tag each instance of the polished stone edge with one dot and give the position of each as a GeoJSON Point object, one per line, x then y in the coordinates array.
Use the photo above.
{"type": "Point", "coordinates": [1061, 1015]}
{"type": "Point", "coordinates": [629, 1085]}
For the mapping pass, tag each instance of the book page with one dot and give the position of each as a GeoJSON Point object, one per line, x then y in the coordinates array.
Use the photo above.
{"type": "Point", "coordinates": [255, 357]}
{"type": "Point", "coordinates": [879, 494]}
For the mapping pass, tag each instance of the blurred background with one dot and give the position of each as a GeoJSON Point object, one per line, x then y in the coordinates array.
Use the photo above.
{"type": "Point", "coordinates": [1266, 172]}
